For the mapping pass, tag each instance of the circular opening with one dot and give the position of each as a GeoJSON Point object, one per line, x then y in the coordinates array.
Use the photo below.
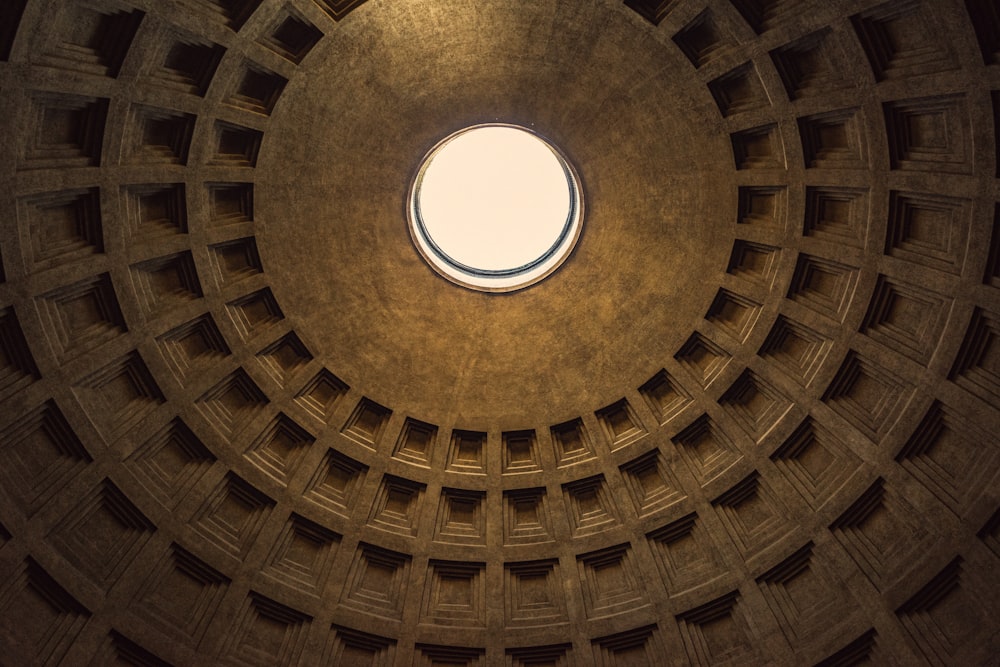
{"type": "Point", "coordinates": [495, 208]}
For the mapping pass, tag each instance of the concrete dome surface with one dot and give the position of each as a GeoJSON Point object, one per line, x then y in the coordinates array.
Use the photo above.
{"type": "Point", "coordinates": [752, 419]}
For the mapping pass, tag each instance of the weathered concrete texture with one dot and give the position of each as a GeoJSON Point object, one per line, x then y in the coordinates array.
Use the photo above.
{"type": "Point", "coordinates": [658, 199]}
{"type": "Point", "coordinates": [751, 420]}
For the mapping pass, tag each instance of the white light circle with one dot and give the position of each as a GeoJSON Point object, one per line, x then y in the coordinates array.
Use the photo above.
{"type": "Point", "coordinates": [495, 208]}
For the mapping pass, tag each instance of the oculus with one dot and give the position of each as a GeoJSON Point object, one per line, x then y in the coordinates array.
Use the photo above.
{"type": "Point", "coordinates": [495, 208]}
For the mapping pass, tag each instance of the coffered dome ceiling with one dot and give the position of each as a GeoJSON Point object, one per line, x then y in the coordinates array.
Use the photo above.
{"type": "Point", "coordinates": [751, 420]}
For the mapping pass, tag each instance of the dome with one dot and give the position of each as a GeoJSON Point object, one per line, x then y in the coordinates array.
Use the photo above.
{"type": "Point", "coordinates": [751, 418]}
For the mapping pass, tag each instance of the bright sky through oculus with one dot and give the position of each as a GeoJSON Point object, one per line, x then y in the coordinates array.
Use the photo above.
{"type": "Point", "coordinates": [495, 207]}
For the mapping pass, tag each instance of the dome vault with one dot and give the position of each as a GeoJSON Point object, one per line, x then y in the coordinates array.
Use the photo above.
{"type": "Point", "coordinates": [751, 419]}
